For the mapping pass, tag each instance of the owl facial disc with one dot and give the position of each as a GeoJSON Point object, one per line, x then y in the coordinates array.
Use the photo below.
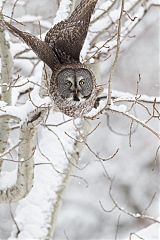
{"type": "Point", "coordinates": [75, 84]}
{"type": "Point", "coordinates": [73, 89]}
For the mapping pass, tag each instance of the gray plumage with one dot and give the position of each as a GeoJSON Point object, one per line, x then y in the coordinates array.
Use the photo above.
{"type": "Point", "coordinates": [72, 85]}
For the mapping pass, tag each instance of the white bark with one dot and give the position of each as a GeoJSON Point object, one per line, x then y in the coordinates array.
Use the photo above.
{"type": "Point", "coordinates": [25, 167]}
{"type": "Point", "coordinates": [5, 79]}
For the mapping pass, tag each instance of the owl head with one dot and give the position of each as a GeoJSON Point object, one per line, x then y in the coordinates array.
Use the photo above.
{"type": "Point", "coordinates": [73, 89]}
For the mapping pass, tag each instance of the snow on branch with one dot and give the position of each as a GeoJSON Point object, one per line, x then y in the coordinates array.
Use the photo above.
{"type": "Point", "coordinates": [21, 112]}
{"type": "Point", "coordinates": [123, 109]}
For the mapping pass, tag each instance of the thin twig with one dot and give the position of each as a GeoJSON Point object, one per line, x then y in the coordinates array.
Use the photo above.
{"type": "Point", "coordinates": [117, 228]}
{"type": "Point", "coordinates": [13, 9]}
{"type": "Point", "coordinates": [116, 56]}
{"type": "Point", "coordinates": [13, 219]}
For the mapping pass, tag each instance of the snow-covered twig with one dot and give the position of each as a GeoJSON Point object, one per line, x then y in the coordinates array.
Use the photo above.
{"type": "Point", "coordinates": [122, 109]}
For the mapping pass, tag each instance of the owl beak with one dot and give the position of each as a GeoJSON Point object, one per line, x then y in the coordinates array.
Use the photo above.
{"type": "Point", "coordinates": [75, 96]}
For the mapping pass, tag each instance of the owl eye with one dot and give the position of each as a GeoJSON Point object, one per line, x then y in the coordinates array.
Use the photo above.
{"type": "Point", "coordinates": [68, 83]}
{"type": "Point", "coordinates": [81, 82]}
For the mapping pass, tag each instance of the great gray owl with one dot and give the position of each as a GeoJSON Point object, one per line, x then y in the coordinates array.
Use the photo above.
{"type": "Point", "coordinates": [72, 84]}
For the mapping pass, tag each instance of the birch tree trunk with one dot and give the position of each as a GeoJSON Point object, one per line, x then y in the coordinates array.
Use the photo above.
{"type": "Point", "coordinates": [27, 136]}
{"type": "Point", "coordinates": [25, 171]}
{"type": "Point", "coordinates": [5, 81]}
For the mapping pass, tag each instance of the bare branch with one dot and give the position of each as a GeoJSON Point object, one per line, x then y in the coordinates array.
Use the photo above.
{"type": "Point", "coordinates": [134, 215]}
{"type": "Point", "coordinates": [116, 56]}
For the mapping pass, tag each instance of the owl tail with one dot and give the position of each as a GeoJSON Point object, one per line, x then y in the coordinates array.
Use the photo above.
{"type": "Point", "coordinates": [40, 48]}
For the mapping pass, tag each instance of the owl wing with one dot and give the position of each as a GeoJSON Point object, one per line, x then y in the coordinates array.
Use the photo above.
{"type": "Point", "coordinates": [41, 49]}
{"type": "Point", "coordinates": [67, 37]}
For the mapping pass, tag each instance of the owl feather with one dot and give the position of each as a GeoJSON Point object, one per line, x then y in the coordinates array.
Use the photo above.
{"type": "Point", "coordinates": [60, 51]}
{"type": "Point", "coordinates": [64, 41]}
{"type": "Point", "coordinates": [41, 48]}
{"type": "Point", "coordinates": [67, 37]}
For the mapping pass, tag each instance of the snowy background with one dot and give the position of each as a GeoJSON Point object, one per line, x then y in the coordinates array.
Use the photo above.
{"type": "Point", "coordinates": [136, 178]}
